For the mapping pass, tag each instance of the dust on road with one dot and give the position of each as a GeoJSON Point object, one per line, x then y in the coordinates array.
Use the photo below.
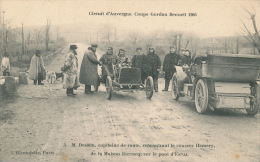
{"type": "Point", "coordinates": [43, 124]}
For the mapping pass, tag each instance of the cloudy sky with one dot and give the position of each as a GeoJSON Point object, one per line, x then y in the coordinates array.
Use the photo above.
{"type": "Point", "coordinates": [214, 17]}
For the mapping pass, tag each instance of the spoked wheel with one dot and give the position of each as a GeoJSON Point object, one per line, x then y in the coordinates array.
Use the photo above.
{"type": "Point", "coordinates": [175, 89]}
{"type": "Point", "coordinates": [149, 87]}
{"type": "Point", "coordinates": [255, 101]}
{"type": "Point", "coordinates": [201, 96]}
{"type": "Point", "coordinates": [109, 88]}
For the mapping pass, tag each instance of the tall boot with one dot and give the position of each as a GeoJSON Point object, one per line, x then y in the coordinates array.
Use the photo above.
{"type": "Point", "coordinates": [34, 82]}
{"type": "Point", "coordinates": [88, 89]}
{"type": "Point", "coordinates": [167, 82]}
{"type": "Point", "coordinates": [40, 79]}
{"type": "Point", "coordinates": [68, 92]}
{"type": "Point", "coordinates": [155, 81]}
{"type": "Point", "coordinates": [71, 91]}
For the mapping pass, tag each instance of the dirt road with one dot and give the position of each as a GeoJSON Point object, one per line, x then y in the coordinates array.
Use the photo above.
{"type": "Point", "coordinates": [43, 124]}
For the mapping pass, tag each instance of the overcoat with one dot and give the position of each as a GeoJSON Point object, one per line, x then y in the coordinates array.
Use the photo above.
{"type": "Point", "coordinates": [137, 61]}
{"type": "Point", "coordinates": [36, 67]}
{"type": "Point", "coordinates": [88, 70]}
{"type": "Point", "coordinates": [169, 63]}
{"type": "Point", "coordinates": [151, 63]}
{"type": "Point", "coordinates": [71, 79]}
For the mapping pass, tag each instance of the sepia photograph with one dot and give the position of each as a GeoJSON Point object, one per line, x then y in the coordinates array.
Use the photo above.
{"type": "Point", "coordinates": [132, 80]}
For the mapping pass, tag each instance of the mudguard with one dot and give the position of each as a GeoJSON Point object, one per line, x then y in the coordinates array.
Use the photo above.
{"type": "Point", "coordinates": [181, 77]}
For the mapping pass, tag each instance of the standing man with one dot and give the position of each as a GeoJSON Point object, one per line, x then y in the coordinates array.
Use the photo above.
{"type": "Point", "coordinates": [108, 60]}
{"type": "Point", "coordinates": [37, 68]}
{"type": "Point", "coordinates": [153, 63]}
{"type": "Point", "coordinates": [137, 62]}
{"type": "Point", "coordinates": [5, 65]}
{"type": "Point", "coordinates": [70, 70]}
{"type": "Point", "coordinates": [169, 63]}
{"type": "Point", "coordinates": [88, 70]}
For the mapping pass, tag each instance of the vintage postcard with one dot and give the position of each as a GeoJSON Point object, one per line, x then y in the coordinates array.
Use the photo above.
{"type": "Point", "coordinates": [99, 80]}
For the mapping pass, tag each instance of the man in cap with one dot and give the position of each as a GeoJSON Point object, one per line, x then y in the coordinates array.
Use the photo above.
{"type": "Point", "coordinates": [152, 65]}
{"type": "Point", "coordinates": [70, 70]}
{"type": "Point", "coordinates": [37, 68]}
{"type": "Point", "coordinates": [169, 63]}
{"type": "Point", "coordinates": [108, 60]}
{"type": "Point", "coordinates": [88, 70]}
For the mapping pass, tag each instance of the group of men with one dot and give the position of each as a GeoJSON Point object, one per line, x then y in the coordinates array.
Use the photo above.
{"type": "Point", "coordinates": [149, 64]}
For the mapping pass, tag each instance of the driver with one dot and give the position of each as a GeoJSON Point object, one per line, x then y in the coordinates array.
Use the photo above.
{"type": "Point", "coordinates": [122, 59]}
{"type": "Point", "coordinates": [108, 60]}
{"type": "Point", "coordinates": [186, 62]}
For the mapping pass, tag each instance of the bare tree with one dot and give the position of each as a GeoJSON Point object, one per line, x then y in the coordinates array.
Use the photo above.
{"type": "Point", "coordinates": [23, 50]}
{"type": "Point", "coordinates": [38, 37]}
{"type": "Point", "coordinates": [252, 36]}
{"type": "Point", "coordinates": [179, 42]}
{"type": "Point", "coordinates": [28, 42]}
{"type": "Point", "coordinates": [237, 45]}
{"type": "Point", "coordinates": [47, 38]}
{"type": "Point", "coordinates": [108, 38]}
{"type": "Point", "coordinates": [58, 34]}
{"type": "Point", "coordinates": [226, 46]}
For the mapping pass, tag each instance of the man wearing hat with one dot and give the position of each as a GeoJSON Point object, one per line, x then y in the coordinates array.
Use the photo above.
{"type": "Point", "coordinates": [37, 69]}
{"type": "Point", "coordinates": [169, 63]}
{"type": "Point", "coordinates": [70, 69]}
{"type": "Point", "coordinates": [5, 65]}
{"type": "Point", "coordinates": [152, 65]}
{"type": "Point", "coordinates": [88, 70]}
{"type": "Point", "coordinates": [121, 56]}
{"type": "Point", "coordinates": [108, 60]}
{"type": "Point", "coordinates": [137, 62]}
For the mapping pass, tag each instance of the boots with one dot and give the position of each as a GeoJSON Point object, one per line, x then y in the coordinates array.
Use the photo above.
{"type": "Point", "coordinates": [167, 82]}
{"type": "Point", "coordinates": [88, 89]}
{"type": "Point", "coordinates": [40, 78]}
{"type": "Point", "coordinates": [40, 82]}
{"type": "Point", "coordinates": [70, 92]}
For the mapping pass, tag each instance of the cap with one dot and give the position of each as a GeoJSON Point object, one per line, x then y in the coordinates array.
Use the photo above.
{"type": "Point", "coordinates": [6, 54]}
{"type": "Point", "coordinates": [138, 48]}
{"type": "Point", "coordinates": [38, 51]}
{"type": "Point", "coordinates": [94, 45]}
{"type": "Point", "coordinates": [73, 46]}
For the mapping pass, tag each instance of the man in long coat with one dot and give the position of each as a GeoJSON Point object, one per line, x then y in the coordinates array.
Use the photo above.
{"type": "Point", "coordinates": [37, 68]}
{"type": "Point", "coordinates": [151, 66]}
{"type": "Point", "coordinates": [137, 62]}
{"type": "Point", "coordinates": [108, 60]}
{"type": "Point", "coordinates": [169, 63]}
{"type": "Point", "coordinates": [70, 70]}
{"type": "Point", "coordinates": [5, 65]}
{"type": "Point", "coordinates": [88, 70]}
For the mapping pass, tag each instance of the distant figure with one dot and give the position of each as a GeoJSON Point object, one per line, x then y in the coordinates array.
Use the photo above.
{"type": "Point", "coordinates": [108, 60]}
{"type": "Point", "coordinates": [88, 70]}
{"type": "Point", "coordinates": [70, 70]}
{"type": "Point", "coordinates": [37, 69]}
{"type": "Point", "coordinates": [5, 65]}
{"type": "Point", "coordinates": [137, 62]}
{"type": "Point", "coordinates": [152, 66]}
{"type": "Point", "coordinates": [169, 63]}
